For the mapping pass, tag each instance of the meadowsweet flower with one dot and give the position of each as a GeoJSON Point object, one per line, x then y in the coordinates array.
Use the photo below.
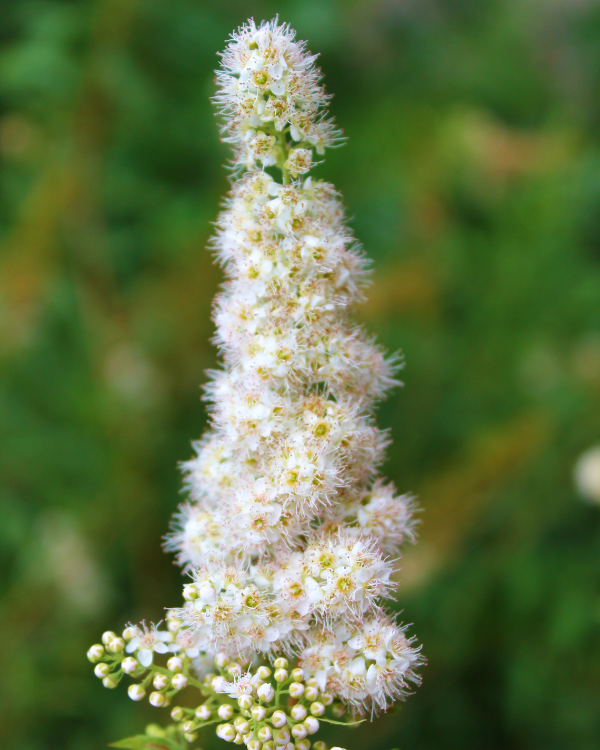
{"type": "Point", "coordinates": [288, 529]}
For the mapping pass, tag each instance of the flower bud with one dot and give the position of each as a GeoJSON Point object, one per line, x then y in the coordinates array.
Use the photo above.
{"type": "Point", "coordinates": [221, 660]}
{"type": "Point", "coordinates": [129, 633]}
{"type": "Point", "coordinates": [258, 713]}
{"type": "Point", "coordinates": [191, 736]}
{"type": "Point", "coordinates": [297, 675]}
{"type": "Point", "coordinates": [338, 748]}
{"type": "Point", "coordinates": [311, 725]}
{"type": "Point", "coordinates": [245, 701]}
{"type": "Point", "coordinates": [107, 637]}
{"type": "Point", "coordinates": [238, 739]}
{"type": "Point", "coordinates": [203, 713]}
{"type": "Point", "coordinates": [254, 744]}
{"type": "Point", "coordinates": [280, 663]}
{"type": "Point", "coordinates": [225, 711]}
{"type": "Point", "coordinates": [179, 681]}
{"type": "Point", "coordinates": [327, 698]}
{"type": "Point", "coordinates": [278, 719]}
{"type": "Point", "coordinates": [158, 700]}
{"type": "Point", "coordinates": [173, 624]}
{"type": "Point", "coordinates": [241, 724]}
{"type": "Point", "coordinates": [311, 693]}
{"type": "Point", "coordinates": [101, 670]}
{"type": "Point", "coordinates": [160, 681]}
{"type": "Point", "coordinates": [188, 726]}
{"type": "Point", "coordinates": [95, 653]}
{"type": "Point", "coordinates": [299, 731]}
{"type": "Point", "coordinates": [266, 693]}
{"type": "Point", "coordinates": [190, 592]}
{"type": "Point", "coordinates": [280, 675]}
{"type": "Point", "coordinates": [136, 692]}
{"type": "Point", "coordinates": [302, 744]}
{"type": "Point", "coordinates": [281, 737]}
{"type": "Point", "coordinates": [226, 732]}
{"type": "Point", "coordinates": [129, 665]}
{"type": "Point", "coordinates": [264, 734]}
{"type": "Point", "coordinates": [298, 712]}
{"type": "Point", "coordinates": [317, 709]}
{"type": "Point", "coordinates": [269, 745]}
{"type": "Point", "coordinates": [110, 682]}
{"type": "Point", "coordinates": [177, 713]}
{"type": "Point", "coordinates": [263, 673]}
{"type": "Point", "coordinates": [175, 664]}
{"type": "Point", "coordinates": [116, 645]}
{"type": "Point", "coordinates": [319, 745]}
{"type": "Point", "coordinates": [296, 690]}
{"type": "Point", "coordinates": [234, 669]}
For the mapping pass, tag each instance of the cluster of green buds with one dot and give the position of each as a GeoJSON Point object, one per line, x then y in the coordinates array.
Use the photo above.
{"type": "Point", "coordinates": [262, 706]}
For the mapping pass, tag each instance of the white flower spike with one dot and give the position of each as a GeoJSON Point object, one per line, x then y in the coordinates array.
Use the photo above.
{"type": "Point", "coordinates": [288, 526]}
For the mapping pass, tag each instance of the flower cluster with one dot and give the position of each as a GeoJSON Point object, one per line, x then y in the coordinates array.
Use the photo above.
{"type": "Point", "coordinates": [288, 527]}
{"type": "Point", "coordinates": [268, 88]}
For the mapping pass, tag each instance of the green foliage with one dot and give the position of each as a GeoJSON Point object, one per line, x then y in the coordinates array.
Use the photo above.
{"type": "Point", "coordinates": [472, 172]}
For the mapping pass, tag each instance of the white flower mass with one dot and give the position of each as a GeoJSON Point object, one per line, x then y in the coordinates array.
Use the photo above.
{"type": "Point", "coordinates": [288, 528]}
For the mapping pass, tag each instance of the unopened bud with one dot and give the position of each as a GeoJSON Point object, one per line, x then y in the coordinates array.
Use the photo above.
{"type": "Point", "coordinates": [296, 690]}
{"type": "Point", "coordinates": [280, 663]}
{"type": "Point", "coordinates": [298, 712]}
{"type": "Point", "coordinates": [160, 681]}
{"type": "Point", "coordinates": [238, 739]}
{"type": "Point", "coordinates": [258, 713]}
{"type": "Point", "coordinates": [241, 724]}
{"type": "Point", "coordinates": [338, 748]}
{"type": "Point", "coordinates": [175, 664]}
{"type": "Point", "coordinates": [173, 624]}
{"type": "Point", "coordinates": [302, 744]}
{"type": "Point", "coordinates": [266, 693]}
{"type": "Point", "coordinates": [188, 726]}
{"type": "Point", "coordinates": [338, 710]}
{"type": "Point", "coordinates": [95, 653]}
{"type": "Point", "coordinates": [158, 700]}
{"type": "Point", "coordinates": [327, 699]}
{"type": "Point", "coordinates": [107, 637]}
{"type": "Point", "coordinates": [319, 745]}
{"type": "Point", "coordinates": [179, 681]}
{"type": "Point", "coordinates": [177, 713]}
{"type": "Point", "coordinates": [234, 670]}
{"type": "Point", "coordinates": [280, 675]}
{"type": "Point", "coordinates": [136, 692]}
{"type": "Point", "coordinates": [311, 693]}
{"type": "Point", "coordinates": [190, 592]}
{"type": "Point", "coordinates": [203, 713]}
{"type": "Point", "coordinates": [297, 675]}
{"type": "Point", "coordinates": [269, 745]}
{"type": "Point", "coordinates": [278, 719]}
{"type": "Point", "coordinates": [116, 645]}
{"type": "Point", "coordinates": [129, 665]}
{"type": "Point", "coordinates": [110, 682]}
{"type": "Point", "coordinates": [129, 633]}
{"type": "Point", "coordinates": [263, 673]}
{"type": "Point", "coordinates": [191, 736]}
{"type": "Point", "coordinates": [311, 725]}
{"type": "Point", "coordinates": [245, 701]}
{"type": "Point", "coordinates": [282, 737]}
{"type": "Point", "coordinates": [264, 734]}
{"type": "Point", "coordinates": [254, 744]}
{"type": "Point", "coordinates": [221, 660]}
{"type": "Point", "coordinates": [317, 709]}
{"type": "Point", "coordinates": [102, 670]}
{"type": "Point", "coordinates": [225, 711]}
{"type": "Point", "coordinates": [299, 731]}
{"type": "Point", "coordinates": [226, 732]}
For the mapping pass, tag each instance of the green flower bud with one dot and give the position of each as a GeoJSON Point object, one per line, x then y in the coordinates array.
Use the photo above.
{"type": "Point", "coordinates": [116, 645]}
{"type": "Point", "coordinates": [107, 637]}
{"type": "Point", "coordinates": [102, 670]}
{"type": "Point", "coordinates": [191, 737]}
{"type": "Point", "coordinates": [177, 713]}
{"type": "Point", "coordinates": [297, 675]}
{"type": "Point", "coordinates": [136, 692]}
{"type": "Point", "coordinates": [95, 653]}
{"type": "Point", "coordinates": [281, 663]}
{"type": "Point", "coordinates": [110, 682]}
{"type": "Point", "coordinates": [280, 675]}
{"type": "Point", "coordinates": [225, 711]}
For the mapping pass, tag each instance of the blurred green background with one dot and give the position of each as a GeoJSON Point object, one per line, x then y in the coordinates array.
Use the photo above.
{"type": "Point", "coordinates": [472, 176]}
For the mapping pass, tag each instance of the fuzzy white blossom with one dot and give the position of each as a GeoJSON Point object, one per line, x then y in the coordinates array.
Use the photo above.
{"type": "Point", "coordinates": [288, 526]}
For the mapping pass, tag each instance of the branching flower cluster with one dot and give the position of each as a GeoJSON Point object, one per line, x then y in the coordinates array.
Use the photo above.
{"type": "Point", "coordinates": [288, 531]}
